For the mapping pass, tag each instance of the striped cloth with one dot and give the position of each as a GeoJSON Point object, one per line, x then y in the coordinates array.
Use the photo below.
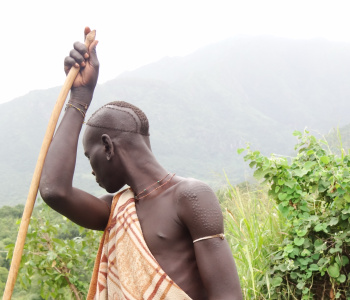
{"type": "Point", "coordinates": [125, 268]}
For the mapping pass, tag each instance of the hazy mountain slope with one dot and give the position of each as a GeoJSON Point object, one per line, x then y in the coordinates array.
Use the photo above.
{"type": "Point", "coordinates": [283, 79]}
{"type": "Point", "coordinates": [202, 107]}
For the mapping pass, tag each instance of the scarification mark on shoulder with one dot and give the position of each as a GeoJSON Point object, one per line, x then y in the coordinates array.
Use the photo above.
{"type": "Point", "coordinates": [205, 212]}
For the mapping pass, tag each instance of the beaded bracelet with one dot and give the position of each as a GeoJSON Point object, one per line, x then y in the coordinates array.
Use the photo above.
{"type": "Point", "coordinates": [77, 108]}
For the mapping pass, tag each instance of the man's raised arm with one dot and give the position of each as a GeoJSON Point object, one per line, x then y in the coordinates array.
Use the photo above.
{"type": "Point", "coordinates": [56, 181]}
{"type": "Point", "coordinates": [199, 210]}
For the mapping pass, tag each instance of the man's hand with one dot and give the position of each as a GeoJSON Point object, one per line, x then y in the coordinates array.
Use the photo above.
{"type": "Point", "coordinates": [84, 84]}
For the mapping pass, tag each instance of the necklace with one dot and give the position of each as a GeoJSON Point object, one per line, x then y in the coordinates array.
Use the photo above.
{"type": "Point", "coordinates": [137, 197]}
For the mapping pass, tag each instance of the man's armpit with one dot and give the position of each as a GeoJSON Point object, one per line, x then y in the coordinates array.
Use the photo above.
{"type": "Point", "coordinates": [200, 210]}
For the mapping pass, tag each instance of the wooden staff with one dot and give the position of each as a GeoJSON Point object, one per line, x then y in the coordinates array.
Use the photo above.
{"type": "Point", "coordinates": [33, 190]}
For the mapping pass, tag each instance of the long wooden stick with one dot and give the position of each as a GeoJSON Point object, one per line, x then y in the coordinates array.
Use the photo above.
{"type": "Point", "coordinates": [33, 190]}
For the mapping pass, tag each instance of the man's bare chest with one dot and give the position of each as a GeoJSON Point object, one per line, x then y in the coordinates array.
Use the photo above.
{"type": "Point", "coordinates": [161, 227]}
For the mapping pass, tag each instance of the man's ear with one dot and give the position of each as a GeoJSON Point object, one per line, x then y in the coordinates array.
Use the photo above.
{"type": "Point", "coordinates": [108, 146]}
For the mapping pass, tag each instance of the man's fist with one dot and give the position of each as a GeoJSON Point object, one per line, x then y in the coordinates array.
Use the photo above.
{"type": "Point", "coordinates": [85, 59]}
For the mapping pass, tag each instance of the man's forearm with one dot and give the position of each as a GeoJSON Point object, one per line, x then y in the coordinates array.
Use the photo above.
{"type": "Point", "coordinates": [57, 176]}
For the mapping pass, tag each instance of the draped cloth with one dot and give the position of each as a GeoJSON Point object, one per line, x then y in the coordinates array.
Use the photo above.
{"type": "Point", "coordinates": [125, 268]}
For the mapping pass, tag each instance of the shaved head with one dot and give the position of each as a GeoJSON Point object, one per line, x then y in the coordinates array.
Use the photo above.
{"type": "Point", "coordinates": [120, 116]}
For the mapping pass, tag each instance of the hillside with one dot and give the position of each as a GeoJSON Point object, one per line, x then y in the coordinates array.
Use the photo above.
{"type": "Point", "coordinates": [201, 107]}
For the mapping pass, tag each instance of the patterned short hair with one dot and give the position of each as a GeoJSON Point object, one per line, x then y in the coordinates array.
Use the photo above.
{"type": "Point", "coordinates": [143, 129]}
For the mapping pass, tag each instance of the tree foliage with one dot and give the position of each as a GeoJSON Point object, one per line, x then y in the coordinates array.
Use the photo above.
{"type": "Point", "coordinates": [312, 191]}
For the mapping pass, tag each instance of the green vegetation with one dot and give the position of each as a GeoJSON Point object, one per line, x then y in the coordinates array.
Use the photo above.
{"type": "Point", "coordinates": [8, 233]}
{"type": "Point", "coordinates": [58, 256]}
{"type": "Point", "coordinates": [311, 192]}
{"type": "Point", "coordinates": [254, 230]}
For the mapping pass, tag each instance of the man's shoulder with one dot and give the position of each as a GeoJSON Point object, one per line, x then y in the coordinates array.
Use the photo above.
{"type": "Point", "coordinates": [198, 208]}
{"type": "Point", "coordinates": [191, 189]}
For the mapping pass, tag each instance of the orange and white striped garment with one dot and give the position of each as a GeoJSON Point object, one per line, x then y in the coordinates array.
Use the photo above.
{"type": "Point", "coordinates": [125, 268]}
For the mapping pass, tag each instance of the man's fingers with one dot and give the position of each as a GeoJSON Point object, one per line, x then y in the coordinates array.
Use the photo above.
{"type": "Point", "coordinates": [93, 56]}
{"type": "Point", "coordinates": [68, 63]}
{"type": "Point", "coordinates": [81, 48]}
{"type": "Point", "coordinates": [78, 57]}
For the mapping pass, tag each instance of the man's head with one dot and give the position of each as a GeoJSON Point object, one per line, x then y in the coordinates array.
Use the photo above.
{"type": "Point", "coordinates": [120, 116]}
{"type": "Point", "coordinates": [115, 134]}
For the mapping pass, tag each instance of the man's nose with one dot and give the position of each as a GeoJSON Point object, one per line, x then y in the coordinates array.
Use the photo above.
{"type": "Point", "coordinates": [93, 173]}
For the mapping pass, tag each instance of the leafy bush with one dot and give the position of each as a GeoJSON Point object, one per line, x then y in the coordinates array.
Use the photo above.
{"type": "Point", "coordinates": [312, 191]}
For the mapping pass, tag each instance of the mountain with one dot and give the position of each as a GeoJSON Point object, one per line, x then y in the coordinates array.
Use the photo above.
{"type": "Point", "coordinates": [201, 108]}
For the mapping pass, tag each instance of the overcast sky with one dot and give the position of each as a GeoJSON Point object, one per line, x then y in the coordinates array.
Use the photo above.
{"type": "Point", "coordinates": [37, 35]}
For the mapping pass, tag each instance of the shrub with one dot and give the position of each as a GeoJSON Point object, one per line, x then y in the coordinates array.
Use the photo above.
{"type": "Point", "coordinates": [312, 192]}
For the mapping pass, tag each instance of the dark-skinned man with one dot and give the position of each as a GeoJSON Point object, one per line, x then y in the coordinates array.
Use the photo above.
{"type": "Point", "coordinates": [163, 236]}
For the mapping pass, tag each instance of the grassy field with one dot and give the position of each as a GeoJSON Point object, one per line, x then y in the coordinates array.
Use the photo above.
{"type": "Point", "coordinates": [254, 230]}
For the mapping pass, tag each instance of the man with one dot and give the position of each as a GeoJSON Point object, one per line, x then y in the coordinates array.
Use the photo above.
{"type": "Point", "coordinates": [163, 236]}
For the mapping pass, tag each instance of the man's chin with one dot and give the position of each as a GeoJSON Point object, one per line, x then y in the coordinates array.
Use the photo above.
{"type": "Point", "coordinates": [114, 189]}
{"type": "Point", "coordinates": [109, 189]}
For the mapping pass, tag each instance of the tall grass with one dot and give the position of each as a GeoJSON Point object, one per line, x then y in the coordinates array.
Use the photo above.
{"type": "Point", "coordinates": [254, 230]}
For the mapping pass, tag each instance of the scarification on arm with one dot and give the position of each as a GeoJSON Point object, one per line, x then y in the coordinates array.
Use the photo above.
{"type": "Point", "coordinates": [200, 211]}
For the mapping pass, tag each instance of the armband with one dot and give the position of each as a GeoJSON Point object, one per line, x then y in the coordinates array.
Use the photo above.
{"type": "Point", "coordinates": [220, 235]}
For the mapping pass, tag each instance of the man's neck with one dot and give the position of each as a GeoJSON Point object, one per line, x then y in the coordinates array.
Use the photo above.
{"type": "Point", "coordinates": [149, 177]}
{"type": "Point", "coordinates": [144, 171]}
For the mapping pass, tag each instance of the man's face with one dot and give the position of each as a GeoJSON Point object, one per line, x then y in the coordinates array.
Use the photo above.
{"type": "Point", "coordinates": [108, 173]}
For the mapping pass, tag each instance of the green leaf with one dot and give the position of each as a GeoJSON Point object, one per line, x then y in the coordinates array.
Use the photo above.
{"type": "Point", "coordinates": [260, 173]}
{"type": "Point", "coordinates": [320, 247]}
{"type": "Point", "coordinates": [323, 261]}
{"type": "Point", "coordinates": [314, 267]}
{"type": "Point", "coordinates": [276, 281]}
{"type": "Point", "coordinates": [334, 270]}
{"type": "Point", "coordinates": [341, 278]}
{"type": "Point", "coordinates": [304, 208]}
{"type": "Point", "coordinates": [284, 210]}
{"type": "Point", "coordinates": [319, 227]}
{"type": "Point", "coordinates": [300, 172]}
{"type": "Point", "coordinates": [299, 241]}
{"type": "Point", "coordinates": [304, 261]}
{"type": "Point", "coordinates": [344, 260]}
{"type": "Point", "coordinates": [240, 150]}
{"type": "Point", "coordinates": [302, 232]}
{"type": "Point", "coordinates": [325, 160]}
{"type": "Point", "coordinates": [333, 221]}
{"type": "Point", "coordinates": [305, 252]}
{"type": "Point", "coordinates": [346, 210]}
{"type": "Point", "coordinates": [315, 256]}
{"type": "Point", "coordinates": [318, 243]}
{"type": "Point", "coordinates": [288, 248]}
{"type": "Point", "coordinates": [290, 184]}
{"type": "Point", "coordinates": [309, 164]}
{"type": "Point", "coordinates": [301, 285]}
{"type": "Point", "coordinates": [252, 164]}
{"type": "Point", "coordinates": [306, 290]}
{"type": "Point", "coordinates": [282, 196]}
